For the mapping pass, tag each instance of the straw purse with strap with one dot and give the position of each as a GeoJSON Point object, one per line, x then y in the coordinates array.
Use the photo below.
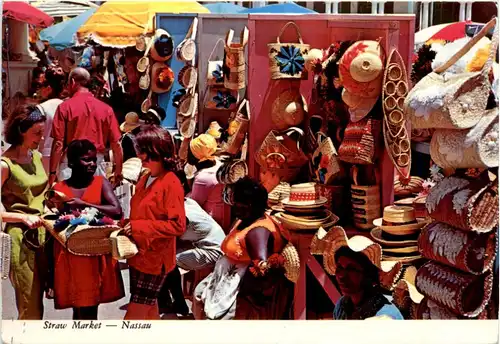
{"type": "Point", "coordinates": [239, 123]}
{"type": "Point", "coordinates": [122, 246]}
{"type": "Point", "coordinates": [186, 50]}
{"type": "Point", "coordinates": [453, 101]}
{"type": "Point", "coordinates": [234, 66]}
{"type": "Point", "coordinates": [325, 161]}
{"type": "Point", "coordinates": [468, 148]}
{"type": "Point", "coordinates": [233, 170]}
{"type": "Point", "coordinates": [287, 60]}
{"type": "Point", "coordinates": [360, 144]}
{"type": "Point", "coordinates": [215, 74]}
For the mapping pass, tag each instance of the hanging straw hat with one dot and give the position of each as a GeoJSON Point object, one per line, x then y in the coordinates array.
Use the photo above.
{"type": "Point", "coordinates": [162, 78]}
{"type": "Point", "coordinates": [288, 109]}
{"type": "Point", "coordinates": [163, 46]}
{"type": "Point", "coordinates": [399, 220]}
{"type": "Point", "coordinates": [360, 71]}
{"type": "Point", "coordinates": [304, 195]}
{"type": "Point", "coordinates": [327, 244]}
{"type": "Point", "coordinates": [132, 121]}
{"type": "Point", "coordinates": [326, 219]}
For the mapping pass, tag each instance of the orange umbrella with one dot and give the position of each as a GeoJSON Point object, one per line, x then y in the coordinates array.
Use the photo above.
{"type": "Point", "coordinates": [120, 23]}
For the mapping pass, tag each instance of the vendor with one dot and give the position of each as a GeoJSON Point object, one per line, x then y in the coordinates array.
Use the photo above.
{"type": "Point", "coordinates": [155, 115]}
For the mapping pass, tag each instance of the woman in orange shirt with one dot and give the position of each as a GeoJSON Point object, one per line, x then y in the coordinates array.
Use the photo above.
{"type": "Point", "coordinates": [157, 217]}
{"type": "Point", "coordinates": [84, 282]}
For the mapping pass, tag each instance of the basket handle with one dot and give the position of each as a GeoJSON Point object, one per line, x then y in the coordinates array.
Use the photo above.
{"type": "Point", "coordinates": [215, 47]}
{"type": "Point", "coordinates": [191, 34]}
{"type": "Point", "coordinates": [244, 37]}
{"type": "Point", "coordinates": [470, 44]}
{"type": "Point", "coordinates": [283, 30]}
{"type": "Point", "coordinates": [355, 175]}
{"type": "Point", "coordinates": [292, 130]}
{"type": "Point", "coordinates": [275, 153]}
{"type": "Point", "coordinates": [229, 37]}
{"type": "Point", "coordinates": [321, 136]}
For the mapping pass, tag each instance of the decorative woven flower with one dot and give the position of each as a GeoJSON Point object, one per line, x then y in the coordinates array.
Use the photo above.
{"type": "Point", "coordinates": [224, 99]}
{"type": "Point", "coordinates": [78, 221]}
{"type": "Point", "coordinates": [290, 60]}
{"type": "Point", "coordinates": [217, 73]}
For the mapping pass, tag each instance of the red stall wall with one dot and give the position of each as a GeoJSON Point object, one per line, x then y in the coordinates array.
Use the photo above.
{"type": "Point", "coordinates": [318, 31]}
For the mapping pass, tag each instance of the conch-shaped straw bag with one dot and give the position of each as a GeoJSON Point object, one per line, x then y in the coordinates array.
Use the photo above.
{"type": "Point", "coordinates": [462, 293]}
{"type": "Point", "coordinates": [287, 60]}
{"type": "Point", "coordinates": [467, 251]}
{"type": "Point", "coordinates": [234, 61]}
{"type": "Point", "coordinates": [464, 204]}
{"type": "Point", "coordinates": [469, 148]}
{"type": "Point", "coordinates": [456, 101]}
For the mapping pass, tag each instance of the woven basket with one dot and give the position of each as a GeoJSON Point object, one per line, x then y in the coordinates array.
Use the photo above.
{"type": "Point", "coordinates": [231, 171]}
{"type": "Point", "coordinates": [411, 187]}
{"type": "Point", "coordinates": [288, 110]}
{"type": "Point", "coordinates": [221, 99]}
{"type": "Point", "coordinates": [6, 247]}
{"type": "Point", "coordinates": [186, 50]}
{"type": "Point", "coordinates": [287, 60]}
{"type": "Point", "coordinates": [234, 68]}
{"type": "Point", "coordinates": [470, 148]}
{"type": "Point", "coordinates": [239, 124]}
{"type": "Point", "coordinates": [122, 246]}
{"type": "Point", "coordinates": [338, 199]}
{"type": "Point", "coordinates": [292, 262]}
{"type": "Point", "coordinates": [466, 251]}
{"type": "Point", "coordinates": [215, 73]}
{"type": "Point", "coordinates": [463, 294]}
{"type": "Point", "coordinates": [467, 205]}
{"type": "Point", "coordinates": [83, 240]}
{"type": "Point", "coordinates": [280, 151]}
{"type": "Point", "coordinates": [429, 310]}
{"type": "Point", "coordinates": [188, 76]}
{"type": "Point", "coordinates": [365, 202]}
{"type": "Point", "coordinates": [452, 101]}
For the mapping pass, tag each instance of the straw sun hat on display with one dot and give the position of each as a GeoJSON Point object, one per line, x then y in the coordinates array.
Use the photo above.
{"type": "Point", "coordinates": [405, 295]}
{"type": "Point", "coordinates": [132, 121]}
{"type": "Point", "coordinates": [288, 110]}
{"type": "Point", "coordinates": [162, 78]}
{"type": "Point", "coordinates": [327, 243]}
{"type": "Point", "coordinates": [361, 73]}
{"type": "Point", "coordinates": [399, 220]}
{"type": "Point", "coordinates": [163, 46]}
{"type": "Point", "coordinates": [304, 195]}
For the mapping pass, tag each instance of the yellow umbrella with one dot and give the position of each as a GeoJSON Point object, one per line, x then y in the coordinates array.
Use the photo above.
{"type": "Point", "coordinates": [120, 23]}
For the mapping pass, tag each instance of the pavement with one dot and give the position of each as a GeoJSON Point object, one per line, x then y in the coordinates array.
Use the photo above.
{"type": "Point", "coordinates": [108, 311]}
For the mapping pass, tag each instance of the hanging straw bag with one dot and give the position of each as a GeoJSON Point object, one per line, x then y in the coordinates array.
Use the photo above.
{"type": "Point", "coordinates": [462, 293]}
{"type": "Point", "coordinates": [360, 144]}
{"type": "Point", "coordinates": [215, 74]}
{"type": "Point", "coordinates": [239, 123]}
{"type": "Point", "coordinates": [6, 247]}
{"type": "Point", "coordinates": [466, 251]}
{"type": "Point", "coordinates": [233, 170]}
{"type": "Point", "coordinates": [220, 98]}
{"type": "Point", "coordinates": [469, 148]}
{"type": "Point", "coordinates": [186, 50]}
{"type": "Point", "coordinates": [121, 245]}
{"type": "Point", "coordinates": [467, 205]}
{"type": "Point", "coordinates": [288, 109]}
{"type": "Point", "coordinates": [325, 161]}
{"type": "Point", "coordinates": [287, 60]}
{"type": "Point", "coordinates": [452, 101]}
{"type": "Point", "coordinates": [234, 61]}
{"type": "Point", "coordinates": [365, 202]}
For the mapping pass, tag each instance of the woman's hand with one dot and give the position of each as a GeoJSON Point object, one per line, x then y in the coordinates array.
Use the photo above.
{"type": "Point", "coordinates": [127, 230]}
{"type": "Point", "coordinates": [76, 203]}
{"type": "Point", "coordinates": [32, 221]}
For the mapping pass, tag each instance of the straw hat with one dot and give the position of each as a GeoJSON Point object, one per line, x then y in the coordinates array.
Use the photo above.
{"type": "Point", "coordinates": [360, 71]}
{"type": "Point", "coordinates": [163, 46]}
{"type": "Point", "coordinates": [329, 242]}
{"type": "Point", "coordinates": [388, 240]}
{"type": "Point", "coordinates": [288, 110]}
{"type": "Point", "coordinates": [162, 78]}
{"type": "Point", "coordinates": [303, 195]}
{"type": "Point", "coordinates": [399, 220]}
{"type": "Point", "coordinates": [290, 222]}
{"type": "Point", "coordinates": [405, 294]}
{"type": "Point", "coordinates": [132, 121]}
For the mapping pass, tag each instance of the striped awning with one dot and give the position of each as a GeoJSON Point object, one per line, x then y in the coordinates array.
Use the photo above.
{"type": "Point", "coordinates": [58, 8]}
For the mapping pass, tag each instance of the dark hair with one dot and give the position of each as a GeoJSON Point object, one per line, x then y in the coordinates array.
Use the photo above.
{"type": "Point", "coordinates": [371, 272]}
{"type": "Point", "coordinates": [20, 121]}
{"type": "Point", "coordinates": [161, 112]}
{"type": "Point", "coordinates": [55, 78]}
{"type": "Point", "coordinates": [183, 179]}
{"type": "Point", "coordinates": [157, 144]}
{"type": "Point", "coordinates": [250, 191]}
{"type": "Point", "coordinates": [77, 148]}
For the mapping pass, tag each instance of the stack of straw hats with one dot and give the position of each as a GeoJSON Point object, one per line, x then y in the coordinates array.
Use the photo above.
{"type": "Point", "coordinates": [397, 232]}
{"type": "Point", "coordinates": [304, 209]}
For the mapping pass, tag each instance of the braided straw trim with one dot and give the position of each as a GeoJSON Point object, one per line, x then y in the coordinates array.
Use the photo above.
{"type": "Point", "coordinates": [396, 136]}
{"type": "Point", "coordinates": [292, 262]}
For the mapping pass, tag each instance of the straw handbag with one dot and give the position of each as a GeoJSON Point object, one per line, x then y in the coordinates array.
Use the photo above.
{"type": "Point", "coordinates": [6, 247]}
{"type": "Point", "coordinates": [360, 144]}
{"type": "Point", "coordinates": [462, 293]}
{"type": "Point", "coordinates": [239, 124]}
{"type": "Point", "coordinates": [466, 251]}
{"type": "Point", "coordinates": [215, 74]}
{"type": "Point", "coordinates": [454, 101]}
{"type": "Point", "coordinates": [287, 60]}
{"type": "Point", "coordinates": [469, 148]}
{"type": "Point", "coordinates": [83, 240]}
{"type": "Point", "coordinates": [122, 246]}
{"type": "Point", "coordinates": [234, 66]}
{"type": "Point", "coordinates": [365, 202]}
{"type": "Point", "coordinates": [325, 161]}
{"type": "Point", "coordinates": [186, 50]}
{"type": "Point", "coordinates": [220, 98]}
{"type": "Point", "coordinates": [467, 205]}
{"type": "Point", "coordinates": [233, 170]}
{"type": "Point", "coordinates": [396, 136]}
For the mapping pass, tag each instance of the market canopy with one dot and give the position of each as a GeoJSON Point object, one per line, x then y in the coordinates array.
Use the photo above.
{"type": "Point", "coordinates": [63, 8]}
{"type": "Point", "coordinates": [285, 8]}
{"type": "Point", "coordinates": [26, 13]}
{"type": "Point", "coordinates": [62, 35]}
{"type": "Point", "coordinates": [224, 8]}
{"type": "Point", "coordinates": [120, 23]}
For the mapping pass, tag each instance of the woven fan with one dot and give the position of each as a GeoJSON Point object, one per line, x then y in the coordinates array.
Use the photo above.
{"type": "Point", "coordinates": [396, 136]}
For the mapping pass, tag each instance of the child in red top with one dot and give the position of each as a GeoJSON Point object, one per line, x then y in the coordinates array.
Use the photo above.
{"type": "Point", "coordinates": [157, 217]}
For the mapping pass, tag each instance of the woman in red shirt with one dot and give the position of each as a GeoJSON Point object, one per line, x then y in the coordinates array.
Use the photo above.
{"type": "Point", "coordinates": [157, 217]}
